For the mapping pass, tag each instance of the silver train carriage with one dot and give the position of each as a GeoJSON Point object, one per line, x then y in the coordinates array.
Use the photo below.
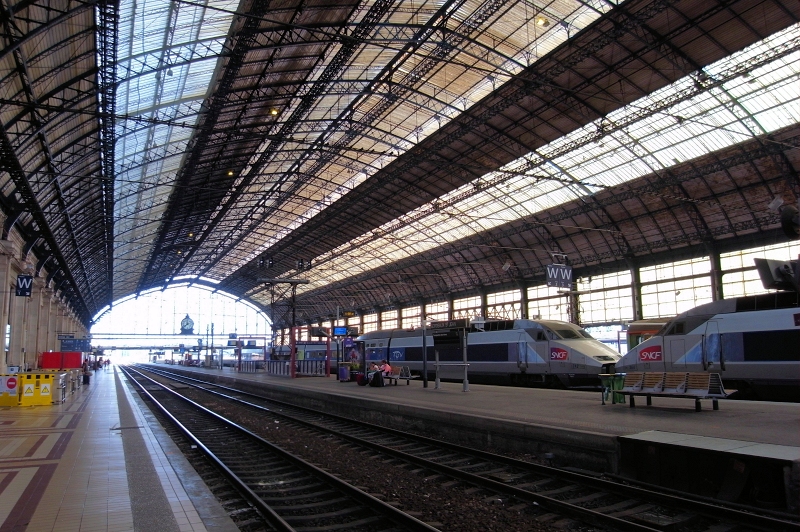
{"type": "Point", "coordinates": [520, 352]}
{"type": "Point", "coordinates": [752, 342]}
{"type": "Point", "coordinates": [305, 350]}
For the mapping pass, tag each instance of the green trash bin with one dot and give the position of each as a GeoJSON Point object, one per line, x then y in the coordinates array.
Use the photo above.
{"type": "Point", "coordinates": [610, 383]}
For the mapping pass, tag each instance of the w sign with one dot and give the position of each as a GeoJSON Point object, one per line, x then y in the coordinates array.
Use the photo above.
{"type": "Point", "coordinates": [559, 275]}
{"type": "Point", "coordinates": [24, 285]}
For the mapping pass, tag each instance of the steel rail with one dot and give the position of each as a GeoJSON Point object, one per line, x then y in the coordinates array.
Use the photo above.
{"type": "Point", "coordinates": [396, 515]}
{"type": "Point", "coordinates": [671, 498]}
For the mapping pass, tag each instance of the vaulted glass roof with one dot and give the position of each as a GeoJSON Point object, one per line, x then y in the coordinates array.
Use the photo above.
{"type": "Point", "coordinates": [167, 56]}
{"type": "Point", "coordinates": [741, 97]}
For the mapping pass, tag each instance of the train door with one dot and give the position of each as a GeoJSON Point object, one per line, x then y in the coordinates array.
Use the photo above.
{"type": "Point", "coordinates": [674, 360]}
{"type": "Point", "coordinates": [712, 347]}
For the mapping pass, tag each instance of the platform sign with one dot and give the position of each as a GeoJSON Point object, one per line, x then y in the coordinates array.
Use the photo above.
{"type": "Point", "coordinates": [559, 275]}
{"type": "Point", "coordinates": [24, 285]}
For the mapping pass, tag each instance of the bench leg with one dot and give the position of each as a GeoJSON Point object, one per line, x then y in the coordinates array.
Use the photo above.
{"type": "Point", "coordinates": [697, 406]}
{"type": "Point", "coordinates": [715, 403]}
{"type": "Point", "coordinates": [408, 382]}
{"type": "Point", "coordinates": [649, 401]}
{"type": "Point", "coordinates": [633, 403]}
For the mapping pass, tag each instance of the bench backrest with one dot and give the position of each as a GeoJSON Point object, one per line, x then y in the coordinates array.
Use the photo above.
{"type": "Point", "coordinates": [675, 382]}
{"type": "Point", "coordinates": [698, 381]}
{"type": "Point", "coordinates": [405, 372]}
{"type": "Point", "coordinates": [396, 371]}
{"type": "Point", "coordinates": [653, 382]}
{"type": "Point", "coordinates": [633, 381]}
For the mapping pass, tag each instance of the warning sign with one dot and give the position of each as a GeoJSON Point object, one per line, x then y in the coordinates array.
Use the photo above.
{"type": "Point", "coordinates": [11, 383]}
{"type": "Point", "coordinates": [27, 390]}
{"type": "Point", "coordinates": [45, 389]}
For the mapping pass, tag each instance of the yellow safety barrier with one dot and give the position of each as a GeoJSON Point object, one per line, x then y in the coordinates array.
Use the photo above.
{"type": "Point", "coordinates": [37, 389]}
{"type": "Point", "coordinates": [9, 390]}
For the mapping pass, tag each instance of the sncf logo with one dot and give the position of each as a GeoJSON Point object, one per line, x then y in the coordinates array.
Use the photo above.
{"type": "Point", "coordinates": [651, 354]}
{"type": "Point", "coordinates": [558, 354]}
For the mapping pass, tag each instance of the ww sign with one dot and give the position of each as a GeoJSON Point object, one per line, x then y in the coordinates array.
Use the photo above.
{"type": "Point", "coordinates": [24, 285]}
{"type": "Point", "coordinates": [559, 275]}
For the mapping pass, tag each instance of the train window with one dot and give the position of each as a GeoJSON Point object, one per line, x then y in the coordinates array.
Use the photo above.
{"type": "Point", "coordinates": [677, 328]}
{"type": "Point", "coordinates": [568, 333]}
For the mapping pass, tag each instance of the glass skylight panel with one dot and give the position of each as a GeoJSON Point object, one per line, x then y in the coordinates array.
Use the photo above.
{"type": "Point", "coordinates": [158, 83]}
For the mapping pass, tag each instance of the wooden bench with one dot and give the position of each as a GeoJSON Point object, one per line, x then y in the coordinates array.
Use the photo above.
{"type": "Point", "coordinates": [675, 384]}
{"type": "Point", "coordinates": [400, 373]}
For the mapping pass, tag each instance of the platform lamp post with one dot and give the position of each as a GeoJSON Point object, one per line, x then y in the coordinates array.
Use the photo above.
{"type": "Point", "coordinates": [292, 282]}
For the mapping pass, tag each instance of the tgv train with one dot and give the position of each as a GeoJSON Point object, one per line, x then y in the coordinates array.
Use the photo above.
{"type": "Point", "coordinates": [752, 342]}
{"type": "Point", "coordinates": [521, 352]}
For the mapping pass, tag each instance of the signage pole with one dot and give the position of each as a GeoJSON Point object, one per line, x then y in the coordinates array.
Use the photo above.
{"type": "Point", "coordinates": [463, 338]}
{"type": "Point", "coordinates": [424, 357]}
{"type": "Point", "coordinates": [436, 363]}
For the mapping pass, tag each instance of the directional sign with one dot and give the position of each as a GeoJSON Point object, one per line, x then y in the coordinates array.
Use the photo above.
{"type": "Point", "coordinates": [451, 324]}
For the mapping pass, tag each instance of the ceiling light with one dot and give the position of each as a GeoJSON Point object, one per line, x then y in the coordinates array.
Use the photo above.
{"type": "Point", "coordinates": [273, 112]}
{"type": "Point", "coordinates": [507, 266]}
{"type": "Point", "coordinates": [230, 172]}
{"type": "Point", "coordinates": [542, 21]}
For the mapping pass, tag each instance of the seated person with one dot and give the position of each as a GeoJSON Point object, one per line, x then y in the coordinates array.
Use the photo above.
{"type": "Point", "coordinates": [385, 368]}
{"type": "Point", "coordinates": [373, 366]}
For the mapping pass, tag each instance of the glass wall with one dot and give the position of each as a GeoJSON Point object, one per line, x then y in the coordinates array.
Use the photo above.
{"type": "Point", "coordinates": [739, 276]}
{"type": "Point", "coordinates": [389, 319]}
{"type": "Point", "coordinates": [468, 307]}
{"type": "Point", "coordinates": [675, 287]}
{"type": "Point", "coordinates": [546, 303]}
{"type": "Point", "coordinates": [437, 311]}
{"type": "Point", "coordinates": [504, 305]}
{"type": "Point", "coordinates": [411, 317]}
{"type": "Point", "coordinates": [369, 322]}
{"type": "Point", "coordinates": [606, 299]}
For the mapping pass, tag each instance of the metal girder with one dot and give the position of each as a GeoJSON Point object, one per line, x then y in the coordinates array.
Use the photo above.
{"type": "Point", "coordinates": [10, 164]}
{"type": "Point", "coordinates": [282, 193]}
{"type": "Point", "coordinates": [108, 22]}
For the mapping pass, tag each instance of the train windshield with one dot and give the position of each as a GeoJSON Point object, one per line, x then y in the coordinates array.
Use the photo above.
{"type": "Point", "coordinates": [566, 331]}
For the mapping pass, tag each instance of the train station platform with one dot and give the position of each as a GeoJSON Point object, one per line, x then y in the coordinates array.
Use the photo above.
{"type": "Point", "coordinates": [742, 443]}
{"type": "Point", "coordinates": [98, 462]}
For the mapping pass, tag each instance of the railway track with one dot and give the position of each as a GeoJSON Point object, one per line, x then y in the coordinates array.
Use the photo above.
{"type": "Point", "coordinates": [552, 493]}
{"type": "Point", "coordinates": [289, 493]}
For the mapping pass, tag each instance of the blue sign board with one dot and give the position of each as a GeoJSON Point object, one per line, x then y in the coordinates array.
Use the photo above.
{"type": "Point", "coordinates": [76, 344]}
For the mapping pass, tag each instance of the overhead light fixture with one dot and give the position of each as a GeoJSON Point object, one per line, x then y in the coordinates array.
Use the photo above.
{"type": "Point", "coordinates": [273, 111]}
{"type": "Point", "coordinates": [230, 172]}
{"type": "Point", "coordinates": [542, 21]}
{"type": "Point", "coordinates": [507, 266]}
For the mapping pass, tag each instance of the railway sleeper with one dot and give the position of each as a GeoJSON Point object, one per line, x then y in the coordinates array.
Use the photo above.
{"type": "Point", "coordinates": [663, 522]}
